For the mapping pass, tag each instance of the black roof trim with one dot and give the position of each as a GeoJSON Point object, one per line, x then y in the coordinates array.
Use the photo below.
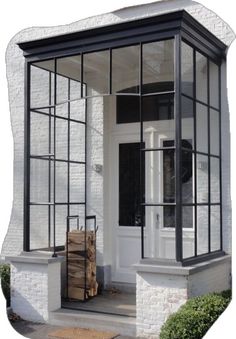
{"type": "Point", "coordinates": [166, 22]}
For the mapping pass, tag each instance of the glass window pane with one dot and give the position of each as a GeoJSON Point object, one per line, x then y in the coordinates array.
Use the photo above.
{"type": "Point", "coordinates": [39, 227]}
{"type": "Point", "coordinates": [39, 133]}
{"type": "Point", "coordinates": [187, 120]}
{"type": "Point", "coordinates": [201, 77]}
{"type": "Point", "coordinates": [215, 132]}
{"type": "Point", "coordinates": [78, 109]}
{"type": "Point", "coordinates": [129, 184]}
{"type": "Point", "coordinates": [39, 172]}
{"type": "Point", "coordinates": [61, 223]}
{"type": "Point", "coordinates": [215, 228]}
{"type": "Point", "coordinates": [68, 68]}
{"type": "Point", "coordinates": [62, 89]}
{"type": "Point", "coordinates": [202, 178]}
{"type": "Point", "coordinates": [61, 181]}
{"type": "Point", "coordinates": [125, 69]}
{"type": "Point", "coordinates": [187, 172]}
{"type": "Point", "coordinates": [214, 85]}
{"type": "Point", "coordinates": [40, 84]}
{"type": "Point", "coordinates": [202, 229]}
{"type": "Point", "coordinates": [77, 183]}
{"type": "Point", "coordinates": [77, 141]}
{"type": "Point", "coordinates": [187, 69]}
{"type": "Point", "coordinates": [202, 128]}
{"type": "Point", "coordinates": [96, 72]}
{"type": "Point", "coordinates": [188, 233]}
{"type": "Point", "coordinates": [61, 139]}
{"type": "Point", "coordinates": [158, 66]}
{"type": "Point", "coordinates": [215, 180]}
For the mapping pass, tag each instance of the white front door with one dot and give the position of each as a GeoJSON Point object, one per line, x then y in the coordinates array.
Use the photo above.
{"type": "Point", "coordinates": [159, 169]}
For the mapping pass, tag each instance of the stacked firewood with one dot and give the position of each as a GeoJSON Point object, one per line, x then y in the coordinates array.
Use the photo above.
{"type": "Point", "coordinates": [81, 258]}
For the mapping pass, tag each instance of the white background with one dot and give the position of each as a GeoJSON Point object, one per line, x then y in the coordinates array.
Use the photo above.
{"type": "Point", "coordinates": [17, 15]}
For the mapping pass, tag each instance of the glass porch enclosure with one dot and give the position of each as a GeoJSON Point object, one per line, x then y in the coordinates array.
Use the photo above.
{"type": "Point", "coordinates": [170, 83]}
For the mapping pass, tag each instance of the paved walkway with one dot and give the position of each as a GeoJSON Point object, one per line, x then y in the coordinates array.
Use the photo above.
{"type": "Point", "coordinates": [40, 331]}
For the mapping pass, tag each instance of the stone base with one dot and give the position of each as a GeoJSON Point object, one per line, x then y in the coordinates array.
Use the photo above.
{"type": "Point", "coordinates": [35, 285]}
{"type": "Point", "coordinates": [161, 290]}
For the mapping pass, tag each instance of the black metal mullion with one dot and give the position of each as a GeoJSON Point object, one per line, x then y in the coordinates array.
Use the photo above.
{"type": "Point", "coordinates": [110, 71]}
{"type": "Point", "coordinates": [54, 162]}
{"type": "Point", "coordinates": [68, 151]}
{"type": "Point", "coordinates": [178, 151]}
{"type": "Point", "coordinates": [220, 153]}
{"type": "Point", "coordinates": [85, 196]}
{"type": "Point", "coordinates": [27, 82]}
{"type": "Point", "coordinates": [49, 160]}
{"type": "Point", "coordinates": [209, 158]}
{"type": "Point", "coordinates": [195, 153]}
{"type": "Point", "coordinates": [142, 200]}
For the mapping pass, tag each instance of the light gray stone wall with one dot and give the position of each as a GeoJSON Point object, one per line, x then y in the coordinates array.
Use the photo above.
{"type": "Point", "coordinates": [35, 288]}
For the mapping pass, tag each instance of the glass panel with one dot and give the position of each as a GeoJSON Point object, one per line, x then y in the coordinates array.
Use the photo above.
{"type": "Point", "coordinates": [77, 183]}
{"type": "Point", "coordinates": [202, 229]}
{"type": "Point", "coordinates": [62, 110]}
{"type": "Point", "coordinates": [68, 67]}
{"type": "Point", "coordinates": [61, 221]}
{"type": "Point", "coordinates": [77, 141]}
{"type": "Point", "coordinates": [188, 234]}
{"type": "Point", "coordinates": [40, 83]}
{"type": "Point", "coordinates": [187, 69]}
{"type": "Point", "coordinates": [96, 72]}
{"type": "Point", "coordinates": [155, 107]}
{"type": "Point", "coordinates": [125, 69]}
{"type": "Point", "coordinates": [214, 85]}
{"type": "Point", "coordinates": [168, 176]}
{"type": "Point", "coordinates": [80, 211]}
{"type": "Point", "coordinates": [38, 227]}
{"type": "Point", "coordinates": [62, 88]}
{"type": "Point", "coordinates": [202, 128]}
{"type": "Point", "coordinates": [78, 109]}
{"type": "Point", "coordinates": [215, 132]}
{"type": "Point", "coordinates": [158, 66]}
{"type": "Point", "coordinates": [187, 120]}
{"type": "Point", "coordinates": [215, 180]}
{"type": "Point", "coordinates": [187, 172]}
{"type": "Point", "coordinates": [215, 228]}
{"type": "Point", "coordinates": [39, 134]}
{"type": "Point", "coordinates": [61, 181]}
{"type": "Point", "coordinates": [159, 233]}
{"type": "Point", "coordinates": [61, 139]}
{"type": "Point", "coordinates": [39, 171]}
{"type": "Point", "coordinates": [201, 77]}
{"type": "Point", "coordinates": [129, 184]}
{"type": "Point", "coordinates": [202, 178]}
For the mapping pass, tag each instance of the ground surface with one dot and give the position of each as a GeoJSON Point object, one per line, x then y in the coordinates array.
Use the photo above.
{"type": "Point", "coordinates": [41, 331]}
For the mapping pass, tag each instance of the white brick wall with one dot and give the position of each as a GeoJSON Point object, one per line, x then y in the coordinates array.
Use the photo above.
{"type": "Point", "coordinates": [35, 289]}
{"type": "Point", "coordinates": [161, 292]}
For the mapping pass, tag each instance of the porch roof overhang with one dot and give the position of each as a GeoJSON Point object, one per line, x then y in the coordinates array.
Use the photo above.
{"type": "Point", "coordinates": [124, 33]}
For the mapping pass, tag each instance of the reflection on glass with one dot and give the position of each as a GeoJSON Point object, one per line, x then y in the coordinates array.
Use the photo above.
{"type": "Point", "coordinates": [188, 237]}
{"type": "Point", "coordinates": [214, 132]}
{"type": "Point", "coordinates": [61, 139]}
{"type": "Point", "coordinates": [61, 181]}
{"type": "Point", "coordinates": [96, 72]}
{"type": "Point", "coordinates": [202, 128]}
{"type": "Point", "coordinates": [68, 74]}
{"type": "Point", "coordinates": [39, 180]}
{"type": "Point", "coordinates": [214, 85]}
{"type": "Point", "coordinates": [125, 69]}
{"type": "Point", "coordinates": [40, 84]}
{"type": "Point", "coordinates": [187, 172]}
{"type": "Point", "coordinates": [38, 227]}
{"type": "Point", "coordinates": [77, 141]}
{"type": "Point", "coordinates": [187, 120]}
{"type": "Point", "coordinates": [129, 184]}
{"type": "Point", "coordinates": [187, 69]}
{"type": "Point", "coordinates": [39, 133]}
{"type": "Point", "coordinates": [61, 221]}
{"type": "Point", "coordinates": [158, 66]}
{"type": "Point", "coordinates": [202, 229]}
{"type": "Point", "coordinates": [215, 228]}
{"type": "Point", "coordinates": [202, 178]}
{"type": "Point", "coordinates": [77, 186]}
{"type": "Point", "coordinates": [201, 77]}
{"type": "Point", "coordinates": [215, 180]}
{"type": "Point", "coordinates": [154, 108]}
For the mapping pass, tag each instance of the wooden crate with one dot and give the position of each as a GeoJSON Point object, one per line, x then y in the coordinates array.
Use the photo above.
{"type": "Point", "coordinates": [81, 259]}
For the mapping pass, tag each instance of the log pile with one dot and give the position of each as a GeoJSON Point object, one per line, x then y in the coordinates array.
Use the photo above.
{"type": "Point", "coordinates": [81, 258]}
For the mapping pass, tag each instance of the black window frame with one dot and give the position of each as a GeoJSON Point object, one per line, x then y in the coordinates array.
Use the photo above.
{"type": "Point", "coordinates": [179, 26]}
